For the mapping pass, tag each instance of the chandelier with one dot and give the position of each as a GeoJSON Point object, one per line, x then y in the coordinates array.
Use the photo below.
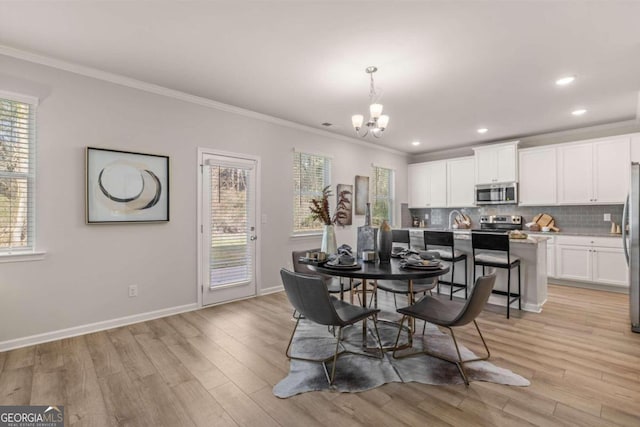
{"type": "Point", "coordinates": [377, 122]}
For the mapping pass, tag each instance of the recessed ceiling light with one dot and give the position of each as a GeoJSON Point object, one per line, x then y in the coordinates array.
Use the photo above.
{"type": "Point", "coordinates": [563, 81]}
{"type": "Point", "coordinates": [415, 143]}
{"type": "Point", "coordinates": [579, 112]}
{"type": "Point", "coordinates": [483, 130]}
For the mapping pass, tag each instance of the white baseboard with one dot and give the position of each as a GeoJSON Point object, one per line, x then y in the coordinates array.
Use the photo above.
{"type": "Point", "coordinates": [94, 327]}
{"type": "Point", "coordinates": [271, 290]}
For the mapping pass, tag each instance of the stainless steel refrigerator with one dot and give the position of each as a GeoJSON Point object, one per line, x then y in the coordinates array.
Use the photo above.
{"type": "Point", "coordinates": [631, 243]}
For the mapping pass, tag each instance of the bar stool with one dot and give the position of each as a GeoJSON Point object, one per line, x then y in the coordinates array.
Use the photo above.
{"type": "Point", "coordinates": [495, 253]}
{"type": "Point", "coordinates": [401, 236]}
{"type": "Point", "coordinates": [446, 248]}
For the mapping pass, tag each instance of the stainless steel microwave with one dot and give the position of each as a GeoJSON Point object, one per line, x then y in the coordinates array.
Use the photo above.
{"type": "Point", "coordinates": [497, 194]}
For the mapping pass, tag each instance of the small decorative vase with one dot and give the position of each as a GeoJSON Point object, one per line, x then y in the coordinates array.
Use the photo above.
{"type": "Point", "coordinates": [385, 242]}
{"type": "Point", "coordinates": [329, 245]}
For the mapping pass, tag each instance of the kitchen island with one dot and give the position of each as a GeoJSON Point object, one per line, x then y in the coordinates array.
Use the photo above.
{"type": "Point", "coordinates": [532, 252]}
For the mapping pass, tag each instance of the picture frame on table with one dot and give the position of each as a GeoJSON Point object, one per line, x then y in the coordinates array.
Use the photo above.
{"type": "Point", "coordinates": [126, 187]}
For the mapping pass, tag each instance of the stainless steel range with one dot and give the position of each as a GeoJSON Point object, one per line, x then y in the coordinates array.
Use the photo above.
{"type": "Point", "coordinates": [500, 223]}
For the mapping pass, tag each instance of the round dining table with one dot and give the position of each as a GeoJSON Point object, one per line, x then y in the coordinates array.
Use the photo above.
{"type": "Point", "coordinates": [373, 271]}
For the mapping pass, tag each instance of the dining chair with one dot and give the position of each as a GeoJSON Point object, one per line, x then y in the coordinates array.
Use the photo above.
{"type": "Point", "coordinates": [493, 250]}
{"type": "Point", "coordinates": [443, 242]}
{"type": "Point", "coordinates": [401, 236]}
{"type": "Point", "coordinates": [450, 314]}
{"type": "Point", "coordinates": [310, 298]}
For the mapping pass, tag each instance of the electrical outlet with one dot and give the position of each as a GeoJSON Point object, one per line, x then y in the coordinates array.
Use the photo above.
{"type": "Point", "coordinates": [426, 216]}
{"type": "Point", "coordinates": [607, 217]}
{"type": "Point", "coordinates": [133, 290]}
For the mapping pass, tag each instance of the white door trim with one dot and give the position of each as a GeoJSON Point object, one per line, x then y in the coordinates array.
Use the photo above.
{"type": "Point", "coordinates": [202, 151]}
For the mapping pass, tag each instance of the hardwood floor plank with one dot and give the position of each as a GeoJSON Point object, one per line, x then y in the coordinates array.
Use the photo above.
{"type": "Point", "coordinates": [620, 417]}
{"type": "Point", "coordinates": [103, 354]}
{"type": "Point", "coordinates": [15, 386]}
{"type": "Point", "coordinates": [165, 362]}
{"type": "Point", "coordinates": [201, 406]}
{"type": "Point", "coordinates": [20, 358]}
{"type": "Point", "coordinates": [582, 418]}
{"type": "Point", "coordinates": [134, 360]}
{"type": "Point", "coordinates": [241, 407]}
{"type": "Point", "coordinates": [284, 411]}
{"type": "Point", "coordinates": [84, 402]}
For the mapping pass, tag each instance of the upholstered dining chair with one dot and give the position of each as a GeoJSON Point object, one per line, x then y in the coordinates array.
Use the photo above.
{"type": "Point", "coordinates": [450, 314]}
{"type": "Point", "coordinates": [310, 298]}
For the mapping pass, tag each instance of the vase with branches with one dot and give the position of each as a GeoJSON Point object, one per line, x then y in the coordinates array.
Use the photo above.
{"type": "Point", "coordinates": [320, 212]}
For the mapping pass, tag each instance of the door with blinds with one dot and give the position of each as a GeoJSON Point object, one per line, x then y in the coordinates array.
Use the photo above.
{"type": "Point", "coordinates": [228, 228]}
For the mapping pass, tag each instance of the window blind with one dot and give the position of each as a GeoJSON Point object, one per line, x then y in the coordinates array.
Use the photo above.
{"type": "Point", "coordinates": [231, 198]}
{"type": "Point", "coordinates": [382, 195]}
{"type": "Point", "coordinates": [17, 149]}
{"type": "Point", "coordinates": [311, 173]}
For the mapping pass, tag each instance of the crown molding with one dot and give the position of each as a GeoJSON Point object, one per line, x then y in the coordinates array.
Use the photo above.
{"type": "Point", "coordinates": [176, 94]}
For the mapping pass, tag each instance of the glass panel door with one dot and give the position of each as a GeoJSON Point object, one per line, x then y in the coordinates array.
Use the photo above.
{"type": "Point", "coordinates": [228, 229]}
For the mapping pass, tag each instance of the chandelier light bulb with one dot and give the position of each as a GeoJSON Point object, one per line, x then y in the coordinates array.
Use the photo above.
{"type": "Point", "coordinates": [357, 120]}
{"type": "Point", "coordinates": [376, 110]}
{"type": "Point", "coordinates": [383, 121]}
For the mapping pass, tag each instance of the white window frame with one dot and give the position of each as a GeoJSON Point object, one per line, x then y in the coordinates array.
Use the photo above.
{"type": "Point", "coordinates": [30, 253]}
{"type": "Point", "coordinates": [392, 193]}
{"type": "Point", "coordinates": [296, 191]}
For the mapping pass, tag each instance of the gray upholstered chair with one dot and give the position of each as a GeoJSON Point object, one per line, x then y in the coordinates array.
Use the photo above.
{"type": "Point", "coordinates": [335, 285]}
{"type": "Point", "coordinates": [450, 314]}
{"type": "Point", "coordinates": [310, 298]}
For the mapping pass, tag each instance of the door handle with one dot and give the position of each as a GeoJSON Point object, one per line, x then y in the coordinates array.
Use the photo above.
{"type": "Point", "coordinates": [253, 238]}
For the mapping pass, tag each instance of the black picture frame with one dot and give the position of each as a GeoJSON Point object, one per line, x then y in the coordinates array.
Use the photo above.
{"type": "Point", "coordinates": [126, 187]}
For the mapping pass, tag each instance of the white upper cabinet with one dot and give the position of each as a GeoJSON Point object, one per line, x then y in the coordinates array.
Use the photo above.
{"type": "Point", "coordinates": [537, 170]}
{"type": "Point", "coordinates": [595, 172]}
{"type": "Point", "coordinates": [611, 170]}
{"type": "Point", "coordinates": [437, 184]}
{"type": "Point", "coordinates": [428, 185]}
{"type": "Point", "coordinates": [418, 185]}
{"type": "Point", "coordinates": [496, 163]}
{"type": "Point", "coordinates": [461, 182]}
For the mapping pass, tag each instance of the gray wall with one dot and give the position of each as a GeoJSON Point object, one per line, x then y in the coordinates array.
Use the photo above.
{"type": "Point", "coordinates": [87, 269]}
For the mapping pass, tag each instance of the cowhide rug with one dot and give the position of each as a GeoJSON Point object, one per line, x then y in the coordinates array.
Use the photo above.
{"type": "Point", "coordinates": [356, 373]}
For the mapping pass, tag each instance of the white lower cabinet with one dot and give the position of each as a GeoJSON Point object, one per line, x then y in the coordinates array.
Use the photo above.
{"type": "Point", "coordinates": [591, 259]}
{"type": "Point", "coordinates": [551, 257]}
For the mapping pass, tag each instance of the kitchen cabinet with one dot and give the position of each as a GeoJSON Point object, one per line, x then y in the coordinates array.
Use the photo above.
{"type": "Point", "coordinates": [496, 163]}
{"type": "Point", "coordinates": [593, 172]}
{"type": "Point", "coordinates": [551, 257]}
{"type": "Point", "coordinates": [591, 259]}
{"type": "Point", "coordinates": [537, 173]}
{"type": "Point", "coordinates": [427, 185]}
{"type": "Point", "coordinates": [461, 182]}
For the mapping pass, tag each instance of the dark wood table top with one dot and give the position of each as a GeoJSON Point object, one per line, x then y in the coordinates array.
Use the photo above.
{"type": "Point", "coordinates": [391, 271]}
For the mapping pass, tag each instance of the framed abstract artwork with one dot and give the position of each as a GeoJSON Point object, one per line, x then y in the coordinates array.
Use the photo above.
{"type": "Point", "coordinates": [344, 208]}
{"type": "Point", "coordinates": [126, 187]}
{"type": "Point", "coordinates": [362, 194]}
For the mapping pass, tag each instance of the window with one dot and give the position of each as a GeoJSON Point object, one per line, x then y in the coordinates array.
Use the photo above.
{"type": "Point", "coordinates": [17, 149]}
{"type": "Point", "coordinates": [382, 196]}
{"type": "Point", "coordinates": [311, 173]}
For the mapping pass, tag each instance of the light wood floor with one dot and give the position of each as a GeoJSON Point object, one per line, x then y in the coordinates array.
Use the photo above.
{"type": "Point", "coordinates": [216, 367]}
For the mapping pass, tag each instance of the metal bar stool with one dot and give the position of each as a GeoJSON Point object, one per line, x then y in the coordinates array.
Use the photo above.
{"type": "Point", "coordinates": [495, 253]}
{"type": "Point", "coordinates": [446, 248]}
{"type": "Point", "coordinates": [401, 236]}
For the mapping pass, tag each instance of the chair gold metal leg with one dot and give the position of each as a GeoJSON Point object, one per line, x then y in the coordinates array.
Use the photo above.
{"type": "Point", "coordinates": [459, 361]}
{"type": "Point", "coordinates": [335, 357]}
{"type": "Point", "coordinates": [291, 339]}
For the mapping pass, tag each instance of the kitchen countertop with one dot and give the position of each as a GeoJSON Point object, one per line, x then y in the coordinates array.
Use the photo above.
{"type": "Point", "coordinates": [465, 234]}
{"type": "Point", "coordinates": [570, 232]}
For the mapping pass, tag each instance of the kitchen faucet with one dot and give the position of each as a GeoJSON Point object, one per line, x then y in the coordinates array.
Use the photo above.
{"type": "Point", "coordinates": [454, 211]}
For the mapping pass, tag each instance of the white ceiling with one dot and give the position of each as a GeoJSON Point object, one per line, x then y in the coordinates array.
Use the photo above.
{"type": "Point", "coordinates": [446, 68]}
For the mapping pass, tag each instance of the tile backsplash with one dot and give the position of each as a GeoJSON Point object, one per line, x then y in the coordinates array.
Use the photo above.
{"type": "Point", "coordinates": [567, 218]}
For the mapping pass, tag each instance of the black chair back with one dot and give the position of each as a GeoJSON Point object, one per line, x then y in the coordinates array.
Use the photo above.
{"type": "Point", "coordinates": [310, 298]}
{"type": "Point", "coordinates": [490, 241]}
{"type": "Point", "coordinates": [438, 238]}
{"type": "Point", "coordinates": [401, 236]}
{"type": "Point", "coordinates": [299, 267]}
{"type": "Point", "coordinates": [477, 300]}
